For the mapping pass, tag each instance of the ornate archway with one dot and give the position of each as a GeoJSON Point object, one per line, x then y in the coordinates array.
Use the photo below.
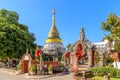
{"type": "Point", "coordinates": [77, 56]}
{"type": "Point", "coordinates": [79, 51]}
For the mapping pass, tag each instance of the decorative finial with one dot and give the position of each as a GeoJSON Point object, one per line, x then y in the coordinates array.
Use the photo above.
{"type": "Point", "coordinates": [53, 18]}
{"type": "Point", "coordinates": [53, 11]}
{"type": "Point", "coordinates": [82, 34]}
{"type": "Point", "coordinates": [27, 50]}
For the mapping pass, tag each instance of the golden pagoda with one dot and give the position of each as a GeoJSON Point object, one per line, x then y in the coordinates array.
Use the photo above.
{"type": "Point", "coordinates": [53, 48]}
{"type": "Point", "coordinates": [53, 35]}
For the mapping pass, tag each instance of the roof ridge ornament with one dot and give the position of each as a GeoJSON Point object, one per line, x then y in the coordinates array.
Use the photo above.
{"type": "Point", "coordinates": [82, 34]}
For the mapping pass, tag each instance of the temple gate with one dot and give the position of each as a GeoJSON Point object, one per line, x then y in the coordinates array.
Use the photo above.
{"type": "Point", "coordinates": [81, 53]}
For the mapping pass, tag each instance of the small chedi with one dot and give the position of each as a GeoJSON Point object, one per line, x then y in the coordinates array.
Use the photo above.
{"type": "Point", "coordinates": [48, 56]}
{"type": "Point", "coordinates": [53, 48]}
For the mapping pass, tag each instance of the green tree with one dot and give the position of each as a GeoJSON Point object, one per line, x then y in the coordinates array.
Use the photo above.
{"type": "Point", "coordinates": [14, 36]}
{"type": "Point", "coordinates": [97, 59]}
{"type": "Point", "coordinates": [112, 27]}
{"type": "Point", "coordinates": [68, 46]}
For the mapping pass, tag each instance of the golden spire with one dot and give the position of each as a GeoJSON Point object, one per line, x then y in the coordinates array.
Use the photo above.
{"type": "Point", "coordinates": [53, 30]}
{"type": "Point", "coordinates": [53, 35]}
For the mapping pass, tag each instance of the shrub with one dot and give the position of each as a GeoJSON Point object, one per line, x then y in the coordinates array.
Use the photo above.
{"type": "Point", "coordinates": [95, 71]}
{"type": "Point", "coordinates": [118, 73]}
{"type": "Point", "coordinates": [106, 71]}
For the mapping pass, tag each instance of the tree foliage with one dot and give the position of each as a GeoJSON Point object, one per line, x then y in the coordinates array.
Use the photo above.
{"type": "Point", "coordinates": [112, 27]}
{"type": "Point", "coordinates": [68, 46]}
{"type": "Point", "coordinates": [14, 36]}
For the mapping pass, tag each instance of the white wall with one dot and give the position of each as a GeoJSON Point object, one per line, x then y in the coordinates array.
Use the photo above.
{"type": "Point", "coordinates": [116, 65]}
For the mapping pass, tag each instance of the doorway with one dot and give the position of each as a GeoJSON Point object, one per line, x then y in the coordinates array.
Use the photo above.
{"type": "Point", "coordinates": [25, 66]}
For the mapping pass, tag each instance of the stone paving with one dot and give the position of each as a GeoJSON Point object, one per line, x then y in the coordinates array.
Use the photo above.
{"type": "Point", "coordinates": [12, 73]}
{"type": "Point", "coordinates": [7, 76]}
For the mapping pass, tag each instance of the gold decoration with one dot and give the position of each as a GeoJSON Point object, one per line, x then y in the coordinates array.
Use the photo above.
{"type": "Point", "coordinates": [48, 40]}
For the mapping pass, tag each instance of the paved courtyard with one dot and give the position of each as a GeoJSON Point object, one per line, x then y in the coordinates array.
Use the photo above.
{"type": "Point", "coordinates": [6, 75]}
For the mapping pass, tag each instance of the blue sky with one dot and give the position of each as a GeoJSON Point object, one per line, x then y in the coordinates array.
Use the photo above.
{"type": "Point", "coordinates": [71, 15]}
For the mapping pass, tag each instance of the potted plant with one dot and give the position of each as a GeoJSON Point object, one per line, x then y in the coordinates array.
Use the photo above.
{"type": "Point", "coordinates": [50, 69]}
{"type": "Point", "coordinates": [33, 69]}
{"type": "Point", "coordinates": [19, 68]}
